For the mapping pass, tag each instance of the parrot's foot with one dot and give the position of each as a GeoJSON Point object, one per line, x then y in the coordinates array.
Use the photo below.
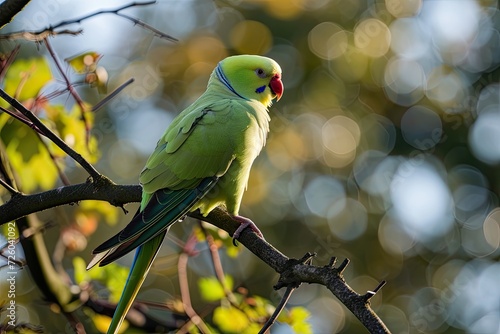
{"type": "Point", "coordinates": [245, 222]}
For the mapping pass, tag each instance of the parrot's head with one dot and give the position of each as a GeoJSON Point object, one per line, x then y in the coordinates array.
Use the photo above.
{"type": "Point", "coordinates": [252, 77]}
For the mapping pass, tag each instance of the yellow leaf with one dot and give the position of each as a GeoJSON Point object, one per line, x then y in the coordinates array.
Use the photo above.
{"type": "Point", "coordinates": [26, 77]}
{"type": "Point", "coordinates": [299, 313]}
{"type": "Point", "coordinates": [84, 62]}
{"type": "Point", "coordinates": [254, 328]}
{"type": "Point", "coordinates": [211, 289]}
{"type": "Point", "coordinates": [30, 160]}
{"type": "Point", "coordinates": [104, 209]}
{"type": "Point", "coordinates": [230, 319]}
{"type": "Point", "coordinates": [102, 322]}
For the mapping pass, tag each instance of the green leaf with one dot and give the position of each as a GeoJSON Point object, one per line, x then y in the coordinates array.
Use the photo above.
{"type": "Point", "coordinates": [211, 290]}
{"type": "Point", "coordinates": [71, 129]}
{"type": "Point", "coordinates": [29, 158]}
{"type": "Point", "coordinates": [26, 77]}
{"type": "Point", "coordinates": [297, 318]}
{"type": "Point", "coordinates": [103, 209]}
{"type": "Point", "coordinates": [230, 319]}
{"type": "Point", "coordinates": [80, 268]}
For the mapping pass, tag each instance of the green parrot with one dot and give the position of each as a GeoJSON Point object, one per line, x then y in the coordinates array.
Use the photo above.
{"type": "Point", "coordinates": [203, 160]}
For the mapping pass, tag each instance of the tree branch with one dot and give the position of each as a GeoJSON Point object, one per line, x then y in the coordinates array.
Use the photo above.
{"type": "Point", "coordinates": [291, 271]}
{"type": "Point", "coordinates": [9, 9]}
{"type": "Point", "coordinates": [21, 205]}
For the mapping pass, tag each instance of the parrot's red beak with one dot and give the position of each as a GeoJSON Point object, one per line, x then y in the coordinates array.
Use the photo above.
{"type": "Point", "coordinates": [276, 86]}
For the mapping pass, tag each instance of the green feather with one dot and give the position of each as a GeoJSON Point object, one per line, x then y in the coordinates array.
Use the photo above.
{"type": "Point", "coordinates": [203, 160]}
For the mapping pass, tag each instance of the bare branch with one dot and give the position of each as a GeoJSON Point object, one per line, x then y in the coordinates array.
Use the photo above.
{"type": "Point", "coordinates": [291, 271]}
{"type": "Point", "coordinates": [186, 298]}
{"type": "Point", "coordinates": [38, 36]}
{"type": "Point", "coordinates": [111, 95]}
{"type": "Point", "coordinates": [279, 308]}
{"type": "Point", "coordinates": [71, 89]}
{"type": "Point", "coordinates": [294, 271]}
{"type": "Point", "coordinates": [7, 60]}
{"type": "Point", "coordinates": [22, 205]}
{"type": "Point", "coordinates": [9, 9]}
{"type": "Point", "coordinates": [116, 11]}
{"type": "Point", "coordinates": [8, 187]}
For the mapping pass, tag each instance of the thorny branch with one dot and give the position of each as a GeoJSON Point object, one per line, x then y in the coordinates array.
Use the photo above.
{"type": "Point", "coordinates": [291, 271]}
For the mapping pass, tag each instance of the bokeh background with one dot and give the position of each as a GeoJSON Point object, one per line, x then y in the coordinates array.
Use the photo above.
{"type": "Point", "coordinates": [384, 148]}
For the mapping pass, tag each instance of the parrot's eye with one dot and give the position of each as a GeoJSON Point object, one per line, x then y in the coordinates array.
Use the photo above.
{"type": "Point", "coordinates": [260, 72]}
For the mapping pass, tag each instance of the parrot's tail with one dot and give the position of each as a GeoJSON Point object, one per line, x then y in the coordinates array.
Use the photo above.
{"type": "Point", "coordinates": [144, 257]}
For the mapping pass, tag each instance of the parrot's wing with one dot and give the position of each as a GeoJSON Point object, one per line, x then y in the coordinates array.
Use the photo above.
{"type": "Point", "coordinates": [163, 209]}
{"type": "Point", "coordinates": [185, 165]}
{"type": "Point", "coordinates": [199, 144]}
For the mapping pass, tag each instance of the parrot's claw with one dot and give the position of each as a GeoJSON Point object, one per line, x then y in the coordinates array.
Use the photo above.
{"type": "Point", "coordinates": [245, 222]}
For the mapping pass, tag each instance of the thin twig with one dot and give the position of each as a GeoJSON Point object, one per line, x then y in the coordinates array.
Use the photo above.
{"type": "Point", "coordinates": [38, 36]}
{"type": "Point", "coordinates": [219, 271]}
{"type": "Point", "coordinates": [8, 187]}
{"type": "Point", "coordinates": [71, 89]}
{"type": "Point", "coordinates": [60, 172]}
{"type": "Point", "coordinates": [111, 95]}
{"type": "Point", "coordinates": [116, 12]}
{"type": "Point", "coordinates": [279, 308]}
{"type": "Point", "coordinates": [146, 26]}
{"type": "Point", "coordinates": [7, 60]}
{"type": "Point", "coordinates": [20, 117]}
{"type": "Point", "coordinates": [186, 298]}
{"type": "Point", "coordinates": [52, 136]}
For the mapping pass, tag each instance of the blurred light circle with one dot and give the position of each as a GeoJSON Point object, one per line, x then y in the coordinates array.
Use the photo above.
{"type": "Point", "coordinates": [286, 149]}
{"type": "Point", "coordinates": [395, 316]}
{"type": "Point", "coordinates": [489, 98]}
{"type": "Point", "coordinates": [404, 75]}
{"type": "Point", "coordinates": [309, 126]}
{"type": "Point", "coordinates": [290, 61]}
{"type": "Point", "coordinates": [444, 86]}
{"type": "Point", "coordinates": [251, 37]}
{"type": "Point", "coordinates": [404, 81]}
{"type": "Point", "coordinates": [374, 172]}
{"type": "Point", "coordinates": [451, 21]}
{"type": "Point", "coordinates": [470, 200]}
{"type": "Point", "coordinates": [120, 155]}
{"type": "Point", "coordinates": [474, 292]}
{"type": "Point", "coordinates": [484, 137]}
{"type": "Point", "coordinates": [422, 200]}
{"type": "Point", "coordinates": [341, 135]}
{"type": "Point", "coordinates": [379, 133]}
{"type": "Point", "coordinates": [372, 37]}
{"type": "Point", "coordinates": [489, 323]}
{"type": "Point", "coordinates": [427, 310]}
{"type": "Point", "coordinates": [327, 315]}
{"type": "Point", "coordinates": [392, 237]}
{"type": "Point", "coordinates": [421, 127]}
{"type": "Point", "coordinates": [351, 222]}
{"type": "Point", "coordinates": [410, 39]}
{"type": "Point", "coordinates": [325, 196]}
{"type": "Point", "coordinates": [491, 228]}
{"type": "Point", "coordinates": [403, 8]}
{"type": "Point", "coordinates": [473, 238]}
{"type": "Point", "coordinates": [327, 40]}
